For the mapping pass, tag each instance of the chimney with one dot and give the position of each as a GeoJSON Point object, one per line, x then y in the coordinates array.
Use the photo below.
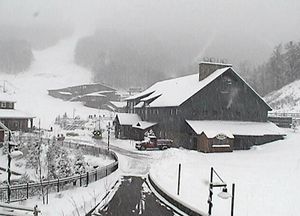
{"type": "Point", "coordinates": [207, 68]}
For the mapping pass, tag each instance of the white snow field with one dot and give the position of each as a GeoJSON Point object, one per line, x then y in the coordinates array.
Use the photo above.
{"type": "Point", "coordinates": [52, 68]}
{"type": "Point", "coordinates": [266, 178]}
{"type": "Point", "coordinates": [286, 99]}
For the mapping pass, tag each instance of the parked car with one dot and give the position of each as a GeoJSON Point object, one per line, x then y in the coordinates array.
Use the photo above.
{"type": "Point", "coordinates": [153, 143]}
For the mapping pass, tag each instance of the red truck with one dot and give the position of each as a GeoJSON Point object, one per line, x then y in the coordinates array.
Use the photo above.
{"type": "Point", "coordinates": [153, 143]}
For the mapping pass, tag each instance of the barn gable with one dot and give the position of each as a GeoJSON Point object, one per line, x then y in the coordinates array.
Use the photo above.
{"type": "Point", "coordinates": [174, 92]}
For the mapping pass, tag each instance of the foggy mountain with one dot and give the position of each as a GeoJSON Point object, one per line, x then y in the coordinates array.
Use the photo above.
{"type": "Point", "coordinates": [153, 40]}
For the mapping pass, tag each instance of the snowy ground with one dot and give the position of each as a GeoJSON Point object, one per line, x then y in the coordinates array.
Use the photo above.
{"type": "Point", "coordinates": [266, 178]}
{"type": "Point", "coordinates": [77, 201]}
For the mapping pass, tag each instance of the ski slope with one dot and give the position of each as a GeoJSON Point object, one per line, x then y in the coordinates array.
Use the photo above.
{"type": "Point", "coordinates": [52, 68]}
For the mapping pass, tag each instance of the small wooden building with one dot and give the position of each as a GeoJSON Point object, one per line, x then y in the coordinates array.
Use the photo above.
{"type": "Point", "coordinates": [123, 123]}
{"type": "Point", "coordinates": [226, 136]}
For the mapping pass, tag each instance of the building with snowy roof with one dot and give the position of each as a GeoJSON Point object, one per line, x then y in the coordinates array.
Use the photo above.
{"type": "Point", "coordinates": [215, 96]}
{"type": "Point", "coordinates": [124, 123]}
{"type": "Point", "coordinates": [11, 118]}
{"type": "Point", "coordinates": [95, 95]}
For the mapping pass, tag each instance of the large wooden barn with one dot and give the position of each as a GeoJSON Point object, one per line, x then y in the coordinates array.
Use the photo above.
{"type": "Point", "coordinates": [214, 110]}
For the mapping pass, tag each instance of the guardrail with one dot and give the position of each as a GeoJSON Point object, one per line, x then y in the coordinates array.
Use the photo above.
{"type": "Point", "coordinates": [182, 207]}
{"type": "Point", "coordinates": [284, 114]}
{"type": "Point", "coordinates": [25, 191]}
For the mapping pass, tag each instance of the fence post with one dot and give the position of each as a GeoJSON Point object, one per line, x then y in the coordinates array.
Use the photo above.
{"type": "Point", "coordinates": [47, 197]}
{"type": "Point", "coordinates": [96, 175]}
{"type": "Point", "coordinates": [87, 178]}
{"type": "Point", "coordinates": [27, 190]}
{"type": "Point", "coordinates": [80, 181]}
{"type": "Point", "coordinates": [57, 185]}
{"type": "Point", "coordinates": [179, 172]}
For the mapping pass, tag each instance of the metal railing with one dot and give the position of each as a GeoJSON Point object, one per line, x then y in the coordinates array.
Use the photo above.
{"type": "Point", "coordinates": [284, 114]}
{"type": "Point", "coordinates": [27, 190]}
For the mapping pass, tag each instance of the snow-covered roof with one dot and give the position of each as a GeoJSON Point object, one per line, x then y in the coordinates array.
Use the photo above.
{"type": "Point", "coordinates": [6, 97]}
{"type": "Point", "coordinates": [173, 92]}
{"type": "Point", "coordinates": [128, 118]}
{"type": "Point", "coordinates": [94, 94]}
{"type": "Point", "coordinates": [139, 105]}
{"type": "Point", "coordinates": [2, 126]}
{"type": "Point", "coordinates": [119, 104]}
{"type": "Point", "coordinates": [151, 97]}
{"type": "Point", "coordinates": [13, 113]}
{"type": "Point", "coordinates": [110, 107]}
{"type": "Point", "coordinates": [212, 128]}
{"type": "Point", "coordinates": [65, 93]}
{"type": "Point", "coordinates": [144, 125]}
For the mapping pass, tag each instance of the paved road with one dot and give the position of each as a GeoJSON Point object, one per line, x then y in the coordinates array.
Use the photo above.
{"type": "Point", "coordinates": [131, 154]}
{"type": "Point", "coordinates": [133, 197]}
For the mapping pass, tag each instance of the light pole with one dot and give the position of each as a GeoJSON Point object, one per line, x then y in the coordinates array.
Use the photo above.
{"type": "Point", "coordinates": [108, 134]}
{"type": "Point", "coordinates": [224, 194]}
{"type": "Point", "coordinates": [11, 154]}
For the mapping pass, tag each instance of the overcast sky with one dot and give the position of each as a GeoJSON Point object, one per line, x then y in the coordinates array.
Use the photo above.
{"type": "Point", "coordinates": [268, 22]}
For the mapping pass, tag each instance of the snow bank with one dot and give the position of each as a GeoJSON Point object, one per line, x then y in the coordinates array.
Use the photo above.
{"type": "Point", "coordinates": [265, 178]}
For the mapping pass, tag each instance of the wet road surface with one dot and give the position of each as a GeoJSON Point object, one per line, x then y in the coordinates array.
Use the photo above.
{"type": "Point", "coordinates": [133, 197]}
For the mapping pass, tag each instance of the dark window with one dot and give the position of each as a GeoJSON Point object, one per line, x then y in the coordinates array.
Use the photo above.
{"type": "Point", "coordinates": [226, 85]}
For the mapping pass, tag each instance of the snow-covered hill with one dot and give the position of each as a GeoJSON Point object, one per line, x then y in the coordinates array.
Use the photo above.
{"type": "Point", "coordinates": [52, 68]}
{"type": "Point", "coordinates": [286, 99]}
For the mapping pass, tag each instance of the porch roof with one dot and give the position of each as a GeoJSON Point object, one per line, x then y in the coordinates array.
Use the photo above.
{"type": "Point", "coordinates": [212, 128]}
{"type": "Point", "coordinates": [128, 118]}
{"type": "Point", "coordinates": [14, 114]}
{"type": "Point", "coordinates": [144, 125]}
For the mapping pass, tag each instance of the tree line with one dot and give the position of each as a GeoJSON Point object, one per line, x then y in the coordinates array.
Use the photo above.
{"type": "Point", "coordinates": [282, 68]}
{"type": "Point", "coordinates": [16, 56]}
{"type": "Point", "coordinates": [125, 60]}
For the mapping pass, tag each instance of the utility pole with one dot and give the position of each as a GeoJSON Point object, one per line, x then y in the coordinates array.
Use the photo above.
{"type": "Point", "coordinates": [210, 191]}
{"type": "Point", "coordinates": [8, 167]}
{"type": "Point", "coordinates": [108, 135]}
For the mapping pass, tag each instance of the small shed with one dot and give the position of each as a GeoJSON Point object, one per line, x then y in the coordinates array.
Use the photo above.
{"type": "Point", "coordinates": [141, 128]}
{"type": "Point", "coordinates": [123, 123]}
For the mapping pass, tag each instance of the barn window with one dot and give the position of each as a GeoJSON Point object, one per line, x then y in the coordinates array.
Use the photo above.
{"type": "Point", "coordinates": [226, 85]}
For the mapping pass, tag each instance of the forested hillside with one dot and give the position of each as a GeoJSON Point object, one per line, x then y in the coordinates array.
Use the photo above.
{"type": "Point", "coordinates": [125, 60]}
{"type": "Point", "coordinates": [282, 68]}
{"type": "Point", "coordinates": [17, 44]}
{"type": "Point", "coordinates": [15, 56]}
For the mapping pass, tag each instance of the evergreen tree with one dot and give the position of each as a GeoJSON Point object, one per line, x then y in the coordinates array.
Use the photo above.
{"type": "Point", "coordinates": [79, 163]}
{"type": "Point", "coordinates": [63, 165]}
